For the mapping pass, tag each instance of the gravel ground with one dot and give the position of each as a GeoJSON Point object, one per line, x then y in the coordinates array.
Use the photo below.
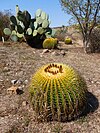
{"type": "Point", "coordinates": [18, 62]}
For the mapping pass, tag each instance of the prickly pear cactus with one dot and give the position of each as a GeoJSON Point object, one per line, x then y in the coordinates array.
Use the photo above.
{"type": "Point", "coordinates": [50, 43]}
{"type": "Point", "coordinates": [57, 92]}
{"type": "Point", "coordinates": [68, 41]}
{"type": "Point", "coordinates": [33, 30]}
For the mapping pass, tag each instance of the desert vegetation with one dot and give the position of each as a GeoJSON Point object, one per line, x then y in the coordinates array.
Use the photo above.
{"type": "Point", "coordinates": [4, 22]}
{"type": "Point", "coordinates": [48, 84]}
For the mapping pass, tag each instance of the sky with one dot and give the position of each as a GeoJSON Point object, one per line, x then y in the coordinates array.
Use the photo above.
{"type": "Point", "coordinates": [51, 7]}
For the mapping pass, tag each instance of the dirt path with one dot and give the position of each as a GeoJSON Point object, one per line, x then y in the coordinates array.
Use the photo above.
{"type": "Point", "coordinates": [18, 62]}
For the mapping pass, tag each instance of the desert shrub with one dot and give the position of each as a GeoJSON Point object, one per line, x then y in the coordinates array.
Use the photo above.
{"type": "Point", "coordinates": [61, 33]}
{"type": "Point", "coordinates": [4, 21]}
{"type": "Point", "coordinates": [60, 36]}
{"type": "Point", "coordinates": [95, 41]}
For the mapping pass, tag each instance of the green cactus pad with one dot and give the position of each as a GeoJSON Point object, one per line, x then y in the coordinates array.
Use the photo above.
{"type": "Point", "coordinates": [12, 26]}
{"type": "Point", "coordinates": [21, 24]}
{"type": "Point", "coordinates": [27, 16]}
{"type": "Point", "coordinates": [35, 32]}
{"type": "Point", "coordinates": [20, 29]}
{"type": "Point", "coordinates": [39, 20]}
{"type": "Point", "coordinates": [40, 30]}
{"type": "Point", "coordinates": [29, 31]}
{"type": "Point", "coordinates": [13, 20]}
{"type": "Point", "coordinates": [38, 13]}
{"type": "Point", "coordinates": [50, 43]}
{"type": "Point", "coordinates": [14, 38]}
{"type": "Point", "coordinates": [35, 25]}
{"type": "Point", "coordinates": [43, 15]}
{"type": "Point", "coordinates": [21, 16]}
{"type": "Point", "coordinates": [13, 32]}
{"type": "Point", "coordinates": [45, 24]}
{"type": "Point", "coordinates": [19, 35]}
{"type": "Point", "coordinates": [7, 31]}
{"type": "Point", "coordinates": [47, 17]}
{"type": "Point", "coordinates": [58, 92]}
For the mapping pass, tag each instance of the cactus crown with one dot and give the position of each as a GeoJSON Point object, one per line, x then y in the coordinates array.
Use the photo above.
{"type": "Point", "coordinates": [53, 69]}
{"type": "Point", "coordinates": [57, 92]}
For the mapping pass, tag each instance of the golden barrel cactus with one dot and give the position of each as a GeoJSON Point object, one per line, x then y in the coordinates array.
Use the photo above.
{"type": "Point", "coordinates": [68, 40]}
{"type": "Point", "coordinates": [58, 92]}
{"type": "Point", "coordinates": [50, 43]}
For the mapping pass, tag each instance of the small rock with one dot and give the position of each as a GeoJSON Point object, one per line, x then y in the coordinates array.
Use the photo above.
{"type": "Point", "coordinates": [44, 51]}
{"type": "Point", "coordinates": [26, 81]}
{"type": "Point", "coordinates": [14, 81]}
{"type": "Point", "coordinates": [92, 82]}
{"type": "Point", "coordinates": [12, 90]}
{"type": "Point", "coordinates": [6, 69]}
{"type": "Point", "coordinates": [7, 79]}
{"type": "Point", "coordinates": [49, 131]}
{"type": "Point", "coordinates": [20, 90]}
{"type": "Point", "coordinates": [62, 52]}
{"type": "Point", "coordinates": [55, 53]}
{"type": "Point", "coordinates": [20, 87]}
{"type": "Point", "coordinates": [24, 103]}
{"type": "Point", "coordinates": [98, 82]}
{"type": "Point", "coordinates": [19, 82]}
{"type": "Point", "coordinates": [20, 73]}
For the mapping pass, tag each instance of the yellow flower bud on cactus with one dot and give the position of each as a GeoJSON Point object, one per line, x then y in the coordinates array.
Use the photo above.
{"type": "Point", "coordinates": [68, 41]}
{"type": "Point", "coordinates": [58, 92]}
{"type": "Point", "coordinates": [50, 43]}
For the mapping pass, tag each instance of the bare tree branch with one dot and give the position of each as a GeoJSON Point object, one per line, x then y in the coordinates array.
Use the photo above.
{"type": "Point", "coordinates": [86, 14]}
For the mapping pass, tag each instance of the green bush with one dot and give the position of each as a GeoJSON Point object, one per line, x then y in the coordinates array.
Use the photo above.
{"type": "Point", "coordinates": [95, 41]}
{"type": "Point", "coordinates": [4, 22]}
{"type": "Point", "coordinates": [60, 34]}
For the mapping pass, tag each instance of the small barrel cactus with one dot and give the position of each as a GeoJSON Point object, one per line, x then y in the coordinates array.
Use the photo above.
{"type": "Point", "coordinates": [50, 43]}
{"type": "Point", "coordinates": [68, 40]}
{"type": "Point", "coordinates": [58, 92]}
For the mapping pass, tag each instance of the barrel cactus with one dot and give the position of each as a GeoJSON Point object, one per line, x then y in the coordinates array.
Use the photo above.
{"type": "Point", "coordinates": [68, 40]}
{"type": "Point", "coordinates": [57, 92]}
{"type": "Point", "coordinates": [50, 43]}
